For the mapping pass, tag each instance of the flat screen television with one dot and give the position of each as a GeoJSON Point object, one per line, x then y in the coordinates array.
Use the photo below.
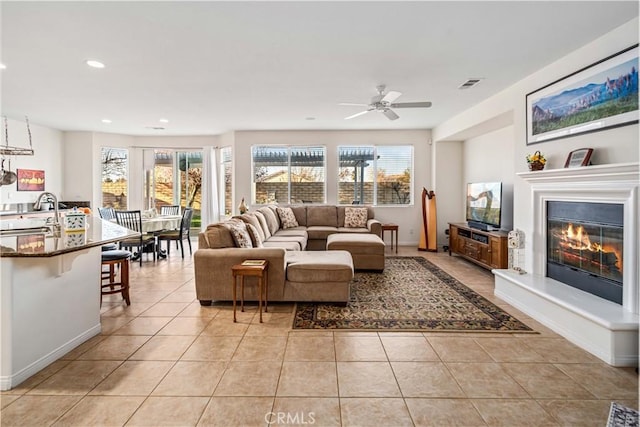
{"type": "Point", "coordinates": [484, 205]}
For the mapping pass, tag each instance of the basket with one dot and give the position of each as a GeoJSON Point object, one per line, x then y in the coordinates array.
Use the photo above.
{"type": "Point", "coordinates": [536, 166]}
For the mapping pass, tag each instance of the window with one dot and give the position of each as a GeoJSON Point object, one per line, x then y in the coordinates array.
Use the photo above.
{"type": "Point", "coordinates": [288, 174]}
{"type": "Point", "coordinates": [375, 175]}
{"type": "Point", "coordinates": [226, 181]}
{"type": "Point", "coordinates": [115, 174]}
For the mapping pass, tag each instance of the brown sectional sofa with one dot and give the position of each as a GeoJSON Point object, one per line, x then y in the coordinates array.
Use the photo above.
{"type": "Point", "coordinates": [293, 274]}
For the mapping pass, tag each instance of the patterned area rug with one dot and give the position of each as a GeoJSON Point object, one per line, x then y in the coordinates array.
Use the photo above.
{"type": "Point", "coordinates": [411, 294]}
{"type": "Point", "coordinates": [621, 416]}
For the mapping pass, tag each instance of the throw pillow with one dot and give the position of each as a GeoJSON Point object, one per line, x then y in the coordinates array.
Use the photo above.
{"type": "Point", "coordinates": [287, 218]}
{"type": "Point", "coordinates": [272, 219]}
{"type": "Point", "coordinates": [355, 217]}
{"type": "Point", "coordinates": [239, 233]}
{"type": "Point", "coordinates": [255, 236]}
{"type": "Point", "coordinates": [263, 224]}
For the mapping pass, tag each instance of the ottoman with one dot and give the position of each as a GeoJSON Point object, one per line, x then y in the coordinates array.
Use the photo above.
{"type": "Point", "coordinates": [318, 276]}
{"type": "Point", "coordinates": [367, 250]}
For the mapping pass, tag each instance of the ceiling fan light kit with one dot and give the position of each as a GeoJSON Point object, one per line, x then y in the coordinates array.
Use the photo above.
{"type": "Point", "coordinates": [383, 103]}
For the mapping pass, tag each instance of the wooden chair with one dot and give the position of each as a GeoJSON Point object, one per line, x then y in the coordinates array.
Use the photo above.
{"type": "Point", "coordinates": [113, 259]}
{"type": "Point", "coordinates": [170, 210]}
{"type": "Point", "coordinates": [133, 221]}
{"type": "Point", "coordinates": [107, 213]}
{"type": "Point", "coordinates": [181, 234]}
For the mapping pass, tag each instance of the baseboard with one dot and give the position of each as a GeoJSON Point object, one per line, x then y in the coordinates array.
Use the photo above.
{"type": "Point", "coordinates": [7, 382]}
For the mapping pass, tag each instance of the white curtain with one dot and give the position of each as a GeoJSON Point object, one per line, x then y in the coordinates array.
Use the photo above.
{"type": "Point", "coordinates": [210, 202]}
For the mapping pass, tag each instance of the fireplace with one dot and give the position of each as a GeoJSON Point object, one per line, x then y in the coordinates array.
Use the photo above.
{"type": "Point", "coordinates": [585, 246]}
{"type": "Point", "coordinates": [592, 232]}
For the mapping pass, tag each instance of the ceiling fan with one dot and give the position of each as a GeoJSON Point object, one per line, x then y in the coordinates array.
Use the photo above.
{"type": "Point", "coordinates": [383, 103]}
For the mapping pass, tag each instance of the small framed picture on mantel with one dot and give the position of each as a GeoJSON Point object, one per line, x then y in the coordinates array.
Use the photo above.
{"type": "Point", "coordinates": [579, 157]}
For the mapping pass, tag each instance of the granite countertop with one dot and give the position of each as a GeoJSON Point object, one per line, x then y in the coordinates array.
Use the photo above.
{"type": "Point", "coordinates": [41, 244]}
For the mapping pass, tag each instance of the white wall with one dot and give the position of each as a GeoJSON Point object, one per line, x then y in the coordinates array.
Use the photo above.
{"type": "Point", "coordinates": [448, 160]}
{"type": "Point", "coordinates": [487, 158]}
{"type": "Point", "coordinates": [611, 146]}
{"type": "Point", "coordinates": [408, 217]}
{"type": "Point", "coordinates": [47, 146]}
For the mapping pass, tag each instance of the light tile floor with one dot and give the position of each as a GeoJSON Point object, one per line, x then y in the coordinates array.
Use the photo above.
{"type": "Point", "coordinates": [165, 360]}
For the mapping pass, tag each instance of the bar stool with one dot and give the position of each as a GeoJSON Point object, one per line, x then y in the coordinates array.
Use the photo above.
{"type": "Point", "coordinates": [112, 259]}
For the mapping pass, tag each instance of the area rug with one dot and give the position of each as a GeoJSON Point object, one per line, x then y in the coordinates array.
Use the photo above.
{"type": "Point", "coordinates": [411, 294]}
{"type": "Point", "coordinates": [621, 416]}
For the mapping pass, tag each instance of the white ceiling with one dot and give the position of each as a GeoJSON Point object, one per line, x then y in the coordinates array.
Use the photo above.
{"type": "Point", "coordinates": [211, 67]}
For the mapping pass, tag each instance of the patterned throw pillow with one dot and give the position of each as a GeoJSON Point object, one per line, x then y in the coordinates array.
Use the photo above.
{"type": "Point", "coordinates": [287, 218]}
{"type": "Point", "coordinates": [256, 239]}
{"type": "Point", "coordinates": [240, 234]}
{"type": "Point", "coordinates": [355, 217]}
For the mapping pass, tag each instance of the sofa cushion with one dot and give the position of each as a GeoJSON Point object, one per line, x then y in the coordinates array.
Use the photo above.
{"type": "Point", "coordinates": [256, 240]}
{"type": "Point", "coordinates": [301, 214]}
{"type": "Point", "coordinates": [322, 215]}
{"type": "Point", "coordinates": [352, 230]}
{"type": "Point", "coordinates": [320, 232]}
{"type": "Point", "coordinates": [287, 218]}
{"type": "Point", "coordinates": [288, 246]}
{"type": "Point", "coordinates": [263, 224]}
{"type": "Point", "coordinates": [253, 220]}
{"type": "Point", "coordinates": [355, 217]}
{"type": "Point", "coordinates": [271, 217]}
{"type": "Point", "coordinates": [297, 231]}
{"type": "Point", "coordinates": [218, 236]}
{"type": "Point", "coordinates": [300, 240]}
{"type": "Point", "coordinates": [329, 266]}
{"type": "Point", "coordinates": [239, 233]}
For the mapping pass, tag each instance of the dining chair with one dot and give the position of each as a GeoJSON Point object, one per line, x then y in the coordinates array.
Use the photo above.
{"type": "Point", "coordinates": [107, 213]}
{"type": "Point", "coordinates": [133, 221]}
{"type": "Point", "coordinates": [181, 234]}
{"type": "Point", "coordinates": [170, 210]}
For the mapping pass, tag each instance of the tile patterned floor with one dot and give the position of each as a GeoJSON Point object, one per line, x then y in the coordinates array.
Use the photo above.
{"type": "Point", "coordinates": [165, 360]}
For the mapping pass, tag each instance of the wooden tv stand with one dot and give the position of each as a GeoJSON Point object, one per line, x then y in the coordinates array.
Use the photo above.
{"type": "Point", "coordinates": [488, 249]}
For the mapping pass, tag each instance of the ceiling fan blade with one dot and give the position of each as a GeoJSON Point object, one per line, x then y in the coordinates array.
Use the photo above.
{"type": "Point", "coordinates": [352, 104]}
{"type": "Point", "coordinates": [357, 114]}
{"type": "Point", "coordinates": [391, 96]}
{"type": "Point", "coordinates": [390, 114]}
{"type": "Point", "coordinates": [425, 104]}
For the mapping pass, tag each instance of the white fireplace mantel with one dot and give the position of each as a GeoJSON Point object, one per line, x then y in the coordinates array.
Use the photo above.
{"type": "Point", "coordinates": [606, 329]}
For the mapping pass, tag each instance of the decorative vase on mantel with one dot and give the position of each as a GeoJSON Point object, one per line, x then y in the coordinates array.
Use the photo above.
{"type": "Point", "coordinates": [242, 207]}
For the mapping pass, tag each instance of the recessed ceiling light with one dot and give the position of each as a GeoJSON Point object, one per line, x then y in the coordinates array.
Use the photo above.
{"type": "Point", "coordinates": [106, 121]}
{"type": "Point", "coordinates": [94, 64]}
{"type": "Point", "coordinates": [3, 67]}
{"type": "Point", "coordinates": [163, 121]}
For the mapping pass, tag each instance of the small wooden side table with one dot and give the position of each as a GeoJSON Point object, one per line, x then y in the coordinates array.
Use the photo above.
{"type": "Point", "coordinates": [393, 228]}
{"type": "Point", "coordinates": [251, 268]}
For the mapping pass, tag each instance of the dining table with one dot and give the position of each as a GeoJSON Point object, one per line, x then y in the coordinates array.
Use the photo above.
{"type": "Point", "coordinates": [156, 224]}
{"type": "Point", "coordinates": [160, 223]}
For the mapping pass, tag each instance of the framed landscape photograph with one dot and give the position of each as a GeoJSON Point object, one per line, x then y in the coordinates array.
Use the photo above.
{"type": "Point", "coordinates": [601, 96]}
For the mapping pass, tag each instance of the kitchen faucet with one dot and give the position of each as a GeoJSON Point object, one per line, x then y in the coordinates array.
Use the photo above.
{"type": "Point", "coordinates": [56, 215]}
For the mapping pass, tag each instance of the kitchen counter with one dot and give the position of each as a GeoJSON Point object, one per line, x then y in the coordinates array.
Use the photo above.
{"type": "Point", "coordinates": [49, 293]}
{"type": "Point", "coordinates": [45, 244]}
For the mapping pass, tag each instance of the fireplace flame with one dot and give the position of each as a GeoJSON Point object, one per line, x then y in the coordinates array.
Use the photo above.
{"type": "Point", "coordinates": [577, 238]}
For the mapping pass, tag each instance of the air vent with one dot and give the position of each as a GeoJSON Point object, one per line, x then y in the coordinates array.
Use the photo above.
{"type": "Point", "coordinates": [154, 127]}
{"type": "Point", "coordinates": [469, 83]}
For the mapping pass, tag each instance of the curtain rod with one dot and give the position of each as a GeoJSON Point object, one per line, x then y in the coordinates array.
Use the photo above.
{"type": "Point", "coordinates": [171, 148]}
